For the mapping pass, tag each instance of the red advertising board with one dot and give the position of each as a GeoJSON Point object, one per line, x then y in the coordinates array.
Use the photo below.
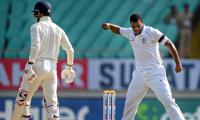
{"type": "Point", "coordinates": [11, 72]}
{"type": "Point", "coordinates": [98, 74]}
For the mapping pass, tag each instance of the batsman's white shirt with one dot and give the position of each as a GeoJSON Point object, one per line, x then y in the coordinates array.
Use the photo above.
{"type": "Point", "coordinates": [46, 39]}
{"type": "Point", "coordinates": [47, 47]}
{"type": "Point", "coordinates": [145, 46]}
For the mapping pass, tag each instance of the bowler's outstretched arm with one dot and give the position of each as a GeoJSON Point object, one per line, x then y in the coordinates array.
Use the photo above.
{"type": "Point", "coordinates": [114, 28]}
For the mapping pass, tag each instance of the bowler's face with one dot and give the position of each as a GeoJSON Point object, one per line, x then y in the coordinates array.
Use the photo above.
{"type": "Point", "coordinates": [137, 26]}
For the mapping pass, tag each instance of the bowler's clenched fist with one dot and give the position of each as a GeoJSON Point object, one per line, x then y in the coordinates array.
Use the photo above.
{"type": "Point", "coordinates": [105, 26]}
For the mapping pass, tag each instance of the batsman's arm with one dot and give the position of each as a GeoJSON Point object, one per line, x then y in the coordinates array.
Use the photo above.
{"type": "Point", "coordinates": [68, 74]}
{"type": "Point", "coordinates": [114, 28]}
{"type": "Point", "coordinates": [174, 54]}
{"type": "Point", "coordinates": [35, 43]}
{"type": "Point", "coordinates": [66, 45]}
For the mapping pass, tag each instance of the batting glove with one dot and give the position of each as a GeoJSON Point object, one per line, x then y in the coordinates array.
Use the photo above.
{"type": "Point", "coordinates": [29, 73]}
{"type": "Point", "coordinates": [68, 74]}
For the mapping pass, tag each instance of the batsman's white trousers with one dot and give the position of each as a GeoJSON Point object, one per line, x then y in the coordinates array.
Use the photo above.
{"type": "Point", "coordinates": [155, 79]}
{"type": "Point", "coordinates": [47, 78]}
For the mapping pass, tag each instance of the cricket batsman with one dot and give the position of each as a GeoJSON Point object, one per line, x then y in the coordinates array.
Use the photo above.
{"type": "Point", "coordinates": [41, 68]}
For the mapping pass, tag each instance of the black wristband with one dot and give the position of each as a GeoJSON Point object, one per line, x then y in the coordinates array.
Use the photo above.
{"type": "Point", "coordinates": [161, 38]}
{"type": "Point", "coordinates": [30, 62]}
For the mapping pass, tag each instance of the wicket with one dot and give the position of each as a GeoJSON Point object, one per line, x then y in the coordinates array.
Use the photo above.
{"type": "Point", "coordinates": [109, 105]}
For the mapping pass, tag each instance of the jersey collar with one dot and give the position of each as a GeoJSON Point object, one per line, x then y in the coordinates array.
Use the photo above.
{"type": "Point", "coordinates": [45, 18]}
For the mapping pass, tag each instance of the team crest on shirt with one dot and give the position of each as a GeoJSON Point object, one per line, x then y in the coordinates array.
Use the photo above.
{"type": "Point", "coordinates": [144, 41]}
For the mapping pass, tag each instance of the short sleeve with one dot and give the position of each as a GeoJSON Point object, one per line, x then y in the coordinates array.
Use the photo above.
{"type": "Point", "coordinates": [125, 31]}
{"type": "Point", "coordinates": [157, 36]}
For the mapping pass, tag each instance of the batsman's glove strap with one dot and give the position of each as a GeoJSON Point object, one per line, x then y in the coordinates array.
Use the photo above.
{"type": "Point", "coordinates": [70, 65]}
{"type": "Point", "coordinates": [27, 116]}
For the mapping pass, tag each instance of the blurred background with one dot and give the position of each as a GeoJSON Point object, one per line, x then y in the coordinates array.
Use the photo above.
{"type": "Point", "coordinates": [103, 60]}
